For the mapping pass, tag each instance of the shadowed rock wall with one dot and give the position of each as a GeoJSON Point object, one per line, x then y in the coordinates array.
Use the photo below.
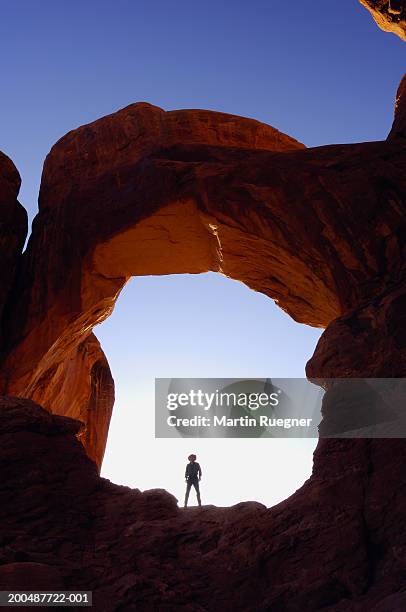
{"type": "Point", "coordinates": [338, 544]}
{"type": "Point", "coordinates": [13, 228]}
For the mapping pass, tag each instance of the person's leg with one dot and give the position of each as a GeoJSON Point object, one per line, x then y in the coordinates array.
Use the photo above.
{"type": "Point", "coordinates": [196, 485]}
{"type": "Point", "coordinates": [188, 486]}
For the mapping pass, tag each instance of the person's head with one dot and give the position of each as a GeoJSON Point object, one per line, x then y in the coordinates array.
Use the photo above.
{"type": "Point", "coordinates": [192, 458]}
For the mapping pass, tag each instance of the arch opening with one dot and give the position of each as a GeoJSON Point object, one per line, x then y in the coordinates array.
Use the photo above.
{"type": "Point", "coordinates": [202, 325]}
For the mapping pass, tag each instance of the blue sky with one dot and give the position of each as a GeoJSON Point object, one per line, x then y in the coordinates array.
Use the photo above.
{"type": "Point", "coordinates": [320, 71]}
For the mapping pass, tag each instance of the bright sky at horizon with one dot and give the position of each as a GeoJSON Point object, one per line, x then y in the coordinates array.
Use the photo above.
{"type": "Point", "coordinates": [200, 326]}
{"type": "Point", "coordinates": [322, 72]}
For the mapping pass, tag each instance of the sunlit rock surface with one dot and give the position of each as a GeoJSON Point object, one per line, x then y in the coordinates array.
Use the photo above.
{"type": "Point", "coordinates": [389, 15]}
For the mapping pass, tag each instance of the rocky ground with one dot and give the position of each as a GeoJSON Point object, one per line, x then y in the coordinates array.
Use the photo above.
{"type": "Point", "coordinates": [337, 544]}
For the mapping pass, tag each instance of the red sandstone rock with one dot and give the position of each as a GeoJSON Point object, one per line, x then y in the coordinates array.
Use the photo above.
{"type": "Point", "coordinates": [80, 386]}
{"type": "Point", "coordinates": [148, 192]}
{"type": "Point", "coordinates": [72, 296]}
{"type": "Point", "coordinates": [369, 341]}
{"type": "Point", "coordinates": [389, 15]}
{"type": "Point", "coordinates": [338, 544]}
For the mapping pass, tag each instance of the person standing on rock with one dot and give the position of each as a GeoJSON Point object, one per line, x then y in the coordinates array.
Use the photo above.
{"type": "Point", "coordinates": [193, 475]}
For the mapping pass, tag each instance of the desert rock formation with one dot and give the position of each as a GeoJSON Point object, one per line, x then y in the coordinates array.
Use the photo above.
{"type": "Point", "coordinates": [86, 244]}
{"type": "Point", "coordinates": [389, 15]}
{"type": "Point", "coordinates": [323, 232]}
{"type": "Point", "coordinates": [338, 544]}
{"type": "Point", "coordinates": [148, 192]}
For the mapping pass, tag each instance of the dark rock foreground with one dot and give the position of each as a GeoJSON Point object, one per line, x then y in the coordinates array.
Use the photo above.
{"type": "Point", "coordinates": [337, 544]}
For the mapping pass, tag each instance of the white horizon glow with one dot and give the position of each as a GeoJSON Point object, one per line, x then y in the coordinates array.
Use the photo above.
{"type": "Point", "coordinates": [148, 337]}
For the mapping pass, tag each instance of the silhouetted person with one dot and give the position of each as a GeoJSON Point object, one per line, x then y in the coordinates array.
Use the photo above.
{"type": "Point", "coordinates": [193, 474]}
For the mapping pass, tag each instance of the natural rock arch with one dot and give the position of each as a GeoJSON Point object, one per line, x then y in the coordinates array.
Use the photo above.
{"type": "Point", "coordinates": [148, 192]}
{"type": "Point", "coordinates": [338, 543]}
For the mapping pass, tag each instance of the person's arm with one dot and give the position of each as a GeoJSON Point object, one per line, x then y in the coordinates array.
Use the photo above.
{"type": "Point", "coordinates": [186, 474]}
{"type": "Point", "coordinates": [200, 472]}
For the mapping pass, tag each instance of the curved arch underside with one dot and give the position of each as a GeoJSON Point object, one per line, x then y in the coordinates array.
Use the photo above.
{"type": "Point", "coordinates": [143, 191]}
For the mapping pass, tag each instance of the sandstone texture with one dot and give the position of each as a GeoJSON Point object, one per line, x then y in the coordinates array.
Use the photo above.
{"type": "Point", "coordinates": [389, 15]}
{"type": "Point", "coordinates": [76, 250]}
{"type": "Point", "coordinates": [338, 544]}
{"type": "Point", "coordinates": [144, 191]}
{"type": "Point", "coordinates": [321, 231]}
{"type": "Point", "coordinates": [376, 329]}
{"type": "Point", "coordinates": [81, 385]}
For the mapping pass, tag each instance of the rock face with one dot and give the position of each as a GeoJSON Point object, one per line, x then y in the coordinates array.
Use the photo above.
{"type": "Point", "coordinates": [338, 544]}
{"type": "Point", "coordinates": [399, 124]}
{"type": "Point", "coordinates": [376, 329]}
{"type": "Point", "coordinates": [13, 227]}
{"type": "Point", "coordinates": [81, 386]}
{"type": "Point", "coordinates": [76, 249]}
{"type": "Point", "coordinates": [389, 15]}
{"type": "Point", "coordinates": [142, 191]}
